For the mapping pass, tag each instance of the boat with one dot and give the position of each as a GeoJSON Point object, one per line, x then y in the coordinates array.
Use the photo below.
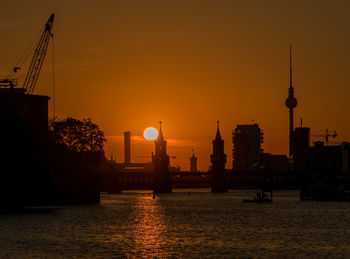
{"type": "Point", "coordinates": [260, 197]}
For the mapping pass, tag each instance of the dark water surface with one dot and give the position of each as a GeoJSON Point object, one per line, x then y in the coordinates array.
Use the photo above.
{"type": "Point", "coordinates": [191, 225]}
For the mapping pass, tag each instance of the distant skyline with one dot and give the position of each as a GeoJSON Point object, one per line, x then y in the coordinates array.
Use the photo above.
{"type": "Point", "coordinates": [129, 64]}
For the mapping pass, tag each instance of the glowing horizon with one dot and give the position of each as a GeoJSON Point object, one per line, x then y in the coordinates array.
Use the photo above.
{"type": "Point", "coordinates": [128, 64]}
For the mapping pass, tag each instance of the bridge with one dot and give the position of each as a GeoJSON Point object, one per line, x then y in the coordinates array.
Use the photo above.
{"type": "Point", "coordinates": [116, 182]}
{"type": "Point", "coordinates": [159, 176]}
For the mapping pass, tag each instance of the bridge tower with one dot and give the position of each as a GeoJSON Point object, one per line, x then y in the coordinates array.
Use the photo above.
{"type": "Point", "coordinates": [160, 160]}
{"type": "Point", "coordinates": [218, 161]}
{"type": "Point", "coordinates": [193, 163]}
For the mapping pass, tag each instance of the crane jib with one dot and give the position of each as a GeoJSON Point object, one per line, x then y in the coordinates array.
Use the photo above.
{"type": "Point", "coordinates": [38, 57]}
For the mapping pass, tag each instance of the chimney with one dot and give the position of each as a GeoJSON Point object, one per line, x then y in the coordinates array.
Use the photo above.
{"type": "Point", "coordinates": [127, 159]}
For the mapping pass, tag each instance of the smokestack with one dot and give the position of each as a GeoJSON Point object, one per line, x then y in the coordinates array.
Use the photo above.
{"type": "Point", "coordinates": [127, 159]}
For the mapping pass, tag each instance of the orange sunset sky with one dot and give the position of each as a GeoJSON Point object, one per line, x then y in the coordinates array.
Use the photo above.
{"type": "Point", "coordinates": [129, 64]}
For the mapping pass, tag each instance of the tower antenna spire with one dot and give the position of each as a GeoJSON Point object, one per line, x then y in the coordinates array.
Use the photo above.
{"type": "Point", "coordinates": [290, 65]}
{"type": "Point", "coordinates": [291, 103]}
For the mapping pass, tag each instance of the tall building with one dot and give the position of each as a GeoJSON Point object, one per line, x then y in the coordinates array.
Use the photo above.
{"type": "Point", "coordinates": [300, 148]}
{"type": "Point", "coordinates": [218, 161]}
{"type": "Point", "coordinates": [291, 103]}
{"type": "Point", "coordinates": [247, 150]}
{"type": "Point", "coordinates": [193, 163]}
{"type": "Point", "coordinates": [160, 161]}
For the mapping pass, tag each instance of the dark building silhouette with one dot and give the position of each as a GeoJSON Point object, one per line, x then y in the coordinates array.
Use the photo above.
{"type": "Point", "coordinates": [345, 157]}
{"type": "Point", "coordinates": [247, 150]}
{"type": "Point", "coordinates": [300, 142]}
{"type": "Point", "coordinates": [33, 109]}
{"type": "Point", "coordinates": [160, 159]}
{"type": "Point", "coordinates": [127, 157]}
{"type": "Point", "coordinates": [274, 163]}
{"type": "Point", "coordinates": [291, 103]}
{"type": "Point", "coordinates": [193, 163]}
{"type": "Point", "coordinates": [218, 161]}
{"type": "Point", "coordinates": [329, 160]}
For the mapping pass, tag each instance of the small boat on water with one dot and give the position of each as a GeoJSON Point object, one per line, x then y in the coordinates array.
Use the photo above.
{"type": "Point", "coordinates": [260, 197]}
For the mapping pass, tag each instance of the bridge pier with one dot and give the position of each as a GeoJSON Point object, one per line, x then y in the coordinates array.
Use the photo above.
{"type": "Point", "coordinates": [162, 183]}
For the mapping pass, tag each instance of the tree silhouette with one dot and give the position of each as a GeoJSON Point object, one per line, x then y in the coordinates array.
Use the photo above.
{"type": "Point", "coordinates": [78, 135]}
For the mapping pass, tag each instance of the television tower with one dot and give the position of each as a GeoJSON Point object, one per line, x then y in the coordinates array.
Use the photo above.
{"type": "Point", "coordinates": [291, 103]}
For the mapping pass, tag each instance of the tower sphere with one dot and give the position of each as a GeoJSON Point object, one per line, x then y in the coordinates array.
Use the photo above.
{"type": "Point", "coordinates": [291, 102]}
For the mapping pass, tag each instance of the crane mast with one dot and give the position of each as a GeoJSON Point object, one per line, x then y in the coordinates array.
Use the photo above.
{"type": "Point", "coordinates": [38, 57]}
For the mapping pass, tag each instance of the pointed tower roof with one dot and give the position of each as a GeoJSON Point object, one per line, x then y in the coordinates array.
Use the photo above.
{"type": "Point", "coordinates": [218, 135]}
{"type": "Point", "coordinates": [193, 153]}
{"type": "Point", "coordinates": [160, 135]}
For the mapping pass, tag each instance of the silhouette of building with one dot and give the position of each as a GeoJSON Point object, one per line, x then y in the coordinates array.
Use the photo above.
{"type": "Point", "coordinates": [329, 160]}
{"type": "Point", "coordinates": [247, 150]}
{"type": "Point", "coordinates": [33, 109]}
{"type": "Point", "coordinates": [345, 157]}
{"type": "Point", "coordinates": [160, 159]}
{"type": "Point", "coordinates": [325, 159]}
{"type": "Point", "coordinates": [218, 161]}
{"type": "Point", "coordinates": [127, 157]}
{"type": "Point", "coordinates": [274, 163]}
{"type": "Point", "coordinates": [300, 148]}
{"type": "Point", "coordinates": [193, 163]}
{"type": "Point", "coordinates": [291, 103]}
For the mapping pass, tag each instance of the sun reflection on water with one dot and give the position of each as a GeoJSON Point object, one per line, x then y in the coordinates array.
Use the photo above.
{"type": "Point", "coordinates": [149, 229]}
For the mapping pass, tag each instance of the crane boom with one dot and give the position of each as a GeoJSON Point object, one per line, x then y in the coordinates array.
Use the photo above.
{"type": "Point", "coordinates": [327, 135]}
{"type": "Point", "coordinates": [38, 57]}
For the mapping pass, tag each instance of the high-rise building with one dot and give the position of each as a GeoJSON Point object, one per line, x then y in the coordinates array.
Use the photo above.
{"type": "Point", "coordinates": [300, 147]}
{"type": "Point", "coordinates": [247, 150]}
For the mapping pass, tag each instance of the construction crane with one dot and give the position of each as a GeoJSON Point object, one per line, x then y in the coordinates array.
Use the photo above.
{"type": "Point", "coordinates": [38, 57]}
{"type": "Point", "coordinates": [36, 63]}
{"type": "Point", "coordinates": [327, 135]}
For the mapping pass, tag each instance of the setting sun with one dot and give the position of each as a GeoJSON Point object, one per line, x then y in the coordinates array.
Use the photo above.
{"type": "Point", "coordinates": [150, 133]}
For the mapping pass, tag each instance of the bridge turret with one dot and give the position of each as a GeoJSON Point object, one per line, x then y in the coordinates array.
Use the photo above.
{"type": "Point", "coordinates": [160, 161]}
{"type": "Point", "coordinates": [193, 163]}
{"type": "Point", "coordinates": [218, 160]}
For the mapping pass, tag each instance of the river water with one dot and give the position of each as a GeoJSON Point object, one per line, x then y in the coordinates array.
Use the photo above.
{"type": "Point", "coordinates": [186, 223]}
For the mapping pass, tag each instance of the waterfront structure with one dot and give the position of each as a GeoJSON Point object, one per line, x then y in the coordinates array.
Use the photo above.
{"type": "Point", "coordinates": [218, 161]}
{"type": "Point", "coordinates": [33, 109]}
{"type": "Point", "coordinates": [291, 103]}
{"type": "Point", "coordinates": [247, 150]}
{"type": "Point", "coordinates": [329, 160]}
{"type": "Point", "coordinates": [193, 163]}
{"type": "Point", "coordinates": [160, 160]}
